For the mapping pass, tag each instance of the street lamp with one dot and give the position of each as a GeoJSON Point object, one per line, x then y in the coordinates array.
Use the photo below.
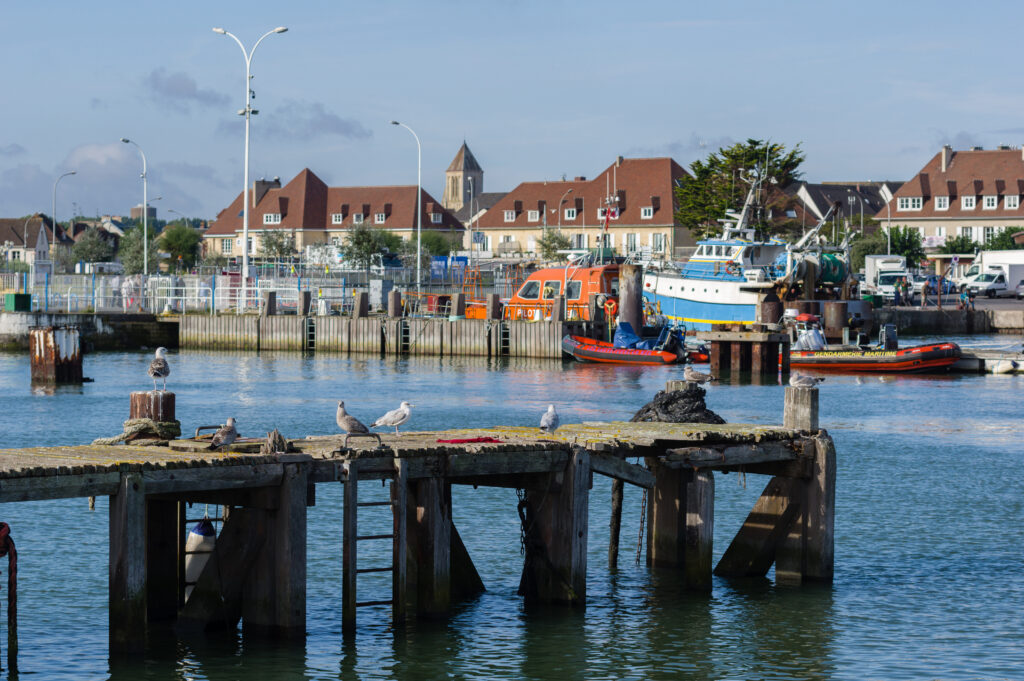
{"type": "Point", "coordinates": [247, 112]}
{"type": "Point", "coordinates": [559, 208]}
{"type": "Point", "coordinates": [850, 197]}
{"type": "Point", "coordinates": [419, 158]}
{"type": "Point", "coordinates": [888, 227]}
{"type": "Point", "coordinates": [55, 183]}
{"type": "Point", "coordinates": [145, 210]}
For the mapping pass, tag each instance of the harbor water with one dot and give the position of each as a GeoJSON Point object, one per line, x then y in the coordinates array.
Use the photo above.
{"type": "Point", "coordinates": [929, 531]}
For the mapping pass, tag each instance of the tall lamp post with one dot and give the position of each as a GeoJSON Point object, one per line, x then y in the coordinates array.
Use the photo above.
{"type": "Point", "coordinates": [145, 210]}
{"type": "Point", "coordinates": [55, 183]}
{"type": "Point", "coordinates": [888, 228]}
{"type": "Point", "coordinates": [559, 208]}
{"type": "Point", "coordinates": [247, 112]}
{"type": "Point", "coordinates": [850, 199]}
{"type": "Point", "coordinates": [419, 189]}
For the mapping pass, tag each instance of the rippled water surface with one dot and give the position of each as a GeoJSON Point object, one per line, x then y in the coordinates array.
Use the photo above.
{"type": "Point", "coordinates": [929, 532]}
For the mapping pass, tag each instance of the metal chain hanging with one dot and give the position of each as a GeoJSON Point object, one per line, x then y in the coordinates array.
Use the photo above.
{"type": "Point", "coordinates": [643, 519]}
{"type": "Point", "coordinates": [521, 495]}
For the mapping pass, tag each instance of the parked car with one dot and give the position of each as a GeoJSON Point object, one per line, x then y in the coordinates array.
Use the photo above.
{"type": "Point", "coordinates": [991, 284]}
{"type": "Point", "coordinates": [932, 282]}
{"type": "Point", "coordinates": [1020, 289]}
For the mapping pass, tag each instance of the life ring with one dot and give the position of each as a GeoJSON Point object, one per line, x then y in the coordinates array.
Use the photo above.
{"type": "Point", "coordinates": [611, 307]}
{"type": "Point", "coordinates": [731, 267]}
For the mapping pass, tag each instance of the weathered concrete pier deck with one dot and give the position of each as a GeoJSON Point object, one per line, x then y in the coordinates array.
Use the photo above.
{"type": "Point", "coordinates": [257, 571]}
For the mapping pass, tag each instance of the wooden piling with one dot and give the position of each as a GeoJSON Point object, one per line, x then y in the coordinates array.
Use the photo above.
{"type": "Point", "coordinates": [127, 574]}
{"type": "Point", "coordinates": [361, 306]}
{"type": "Point", "coordinates": [808, 551]}
{"type": "Point", "coordinates": [161, 559]}
{"type": "Point", "coordinates": [394, 304]}
{"type": "Point", "coordinates": [680, 523]}
{"type": "Point", "coordinates": [158, 406]}
{"type": "Point", "coordinates": [268, 304]}
{"type": "Point", "coordinates": [800, 410]}
{"type": "Point", "coordinates": [349, 532]}
{"type": "Point", "coordinates": [433, 521]}
{"type": "Point", "coordinates": [615, 524]}
{"type": "Point", "coordinates": [56, 354]}
{"type": "Point", "coordinates": [631, 288]}
{"type": "Point", "coordinates": [399, 582]}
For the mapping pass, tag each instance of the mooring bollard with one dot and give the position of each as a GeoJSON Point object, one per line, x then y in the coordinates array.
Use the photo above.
{"type": "Point", "coordinates": [56, 354]}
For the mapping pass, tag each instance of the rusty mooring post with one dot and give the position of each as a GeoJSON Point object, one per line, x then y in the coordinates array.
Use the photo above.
{"type": "Point", "coordinates": [56, 354]}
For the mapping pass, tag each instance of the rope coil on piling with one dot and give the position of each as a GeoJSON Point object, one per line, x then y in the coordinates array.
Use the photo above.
{"type": "Point", "coordinates": [152, 433]}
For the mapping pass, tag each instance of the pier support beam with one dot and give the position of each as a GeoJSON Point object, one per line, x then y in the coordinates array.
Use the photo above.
{"type": "Point", "coordinates": [434, 542]}
{"type": "Point", "coordinates": [127, 608]}
{"type": "Point", "coordinates": [615, 524]}
{"type": "Point", "coordinates": [556, 515]}
{"type": "Point", "coordinates": [808, 551]}
{"type": "Point", "coordinates": [681, 523]}
{"type": "Point", "coordinates": [631, 288]}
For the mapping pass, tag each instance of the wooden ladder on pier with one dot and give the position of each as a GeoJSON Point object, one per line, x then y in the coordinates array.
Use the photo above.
{"type": "Point", "coordinates": [351, 539]}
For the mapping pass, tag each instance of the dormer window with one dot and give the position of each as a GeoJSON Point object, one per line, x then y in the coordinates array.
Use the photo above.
{"type": "Point", "coordinates": [510, 216]}
{"type": "Point", "coordinates": [941, 203]}
{"type": "Point", "coordinates": [357, 219]}
{"type": "Point", "coordinates": [570, 213]}
{"type": "Point", "coordinates": [647, 213]}
{"type": "Point", "coordinates": [379, 218]}
{"type": "Point", "coordinates": [909, 203]}
{"type": "Point", "coordinates": [271, 218]}
{"type": "Point", "coordinates": [533, 215]}
{"type": "Point", "coordinates": [337, 218]}
{"type": "Point", "coordinates": [989, 202]}
{"type": "Point", "coordinates": [435, 218]}
{"type": "Point", "coordinates": [967, 202]}
{"type": "Point", "coordinates": [1012, 201]}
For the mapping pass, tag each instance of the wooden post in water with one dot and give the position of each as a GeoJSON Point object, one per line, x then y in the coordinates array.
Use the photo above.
{"type": "Point", "coordinates": [158, 406]}
{"type": "Point", "coordinates": [459, 305]}
{"type": "Point", "coordinates": [808, 551]}
{"type": "Point", "coordinates": [615, 524]}
{"type": "Point", "coordinates": [631, 286]}
{"type": "Point", "coordinates": [434, 529]}
{"type": "Point", "coordinates": [127, 572]}
{"type": "Point", "coordinates": [56, 354]}
{"type": "Point", "coordinates": [493, 306]}
{"type": "Point", "coordinates": [349, 563]}
{"type": "Point", "coordinates": [268, 304]}
{"type": "Point", "coordinates": [681, 522]}
{"type": "Point", "coordinates": [557, 310]}
{"type": "Point", "coordinates": [800, 410]}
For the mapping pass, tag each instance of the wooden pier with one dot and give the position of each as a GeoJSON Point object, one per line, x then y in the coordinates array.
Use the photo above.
{"type": "Point", "coordinates": [257, 571]}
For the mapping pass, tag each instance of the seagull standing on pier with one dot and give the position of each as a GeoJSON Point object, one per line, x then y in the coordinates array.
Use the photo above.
{"type": "Point", "coordinates": [804, 381]}
{"type": "Point", "coordinates": [693, 376]}
{"type": "Point", "coordinates": [549, 421]}
{"type": "Point", "coordinates": [395, 417]}
{"type": "Point", "coordinates": [225, 436]}
{"type": "Point", "coordinates": [159, 368]}
{"type": "Point", "coordinates": [350, 424]}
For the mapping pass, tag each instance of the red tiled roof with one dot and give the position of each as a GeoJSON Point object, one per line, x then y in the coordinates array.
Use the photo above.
{"type": "Point", "coordinates": [306, 203]}
{"type": "Point", "coordinates": [639, 183]}
{"type": "Point", "coordinates": [998, 172]}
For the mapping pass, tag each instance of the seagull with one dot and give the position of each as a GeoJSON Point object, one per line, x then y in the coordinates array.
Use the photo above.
{"type": "Point", "coordinates": [350, 424]}
{"type": "Point", "coordinates": [395, 417]}
{"type": "Point", "coordinates": [693, 376]}
{"type": "Point", "coordinates": [804, 381]}
{"type": "Point", "coordinates": [549, 421]}
{"type": "Point", "coordinates": [225, 436]}
{"type": "Point", "coordinates": [159, 368]}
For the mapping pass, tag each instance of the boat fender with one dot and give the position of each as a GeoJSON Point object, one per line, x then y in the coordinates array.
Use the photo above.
{"type": "Point", "coordinates": [601, 299]}
{"type": "Point", "coordinates": [198, 548]}
{"type": "Point", "coordinates": [610, 307]}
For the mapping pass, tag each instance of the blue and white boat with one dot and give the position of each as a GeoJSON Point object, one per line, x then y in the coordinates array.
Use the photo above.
{"type": "Point", "coordinates": [726, 278]}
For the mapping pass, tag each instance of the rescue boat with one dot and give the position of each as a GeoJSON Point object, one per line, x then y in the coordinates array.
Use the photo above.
{"type": "Point", "coordinates": [591, 350]}
{"type": "Point", "coordinates": [928, 357]}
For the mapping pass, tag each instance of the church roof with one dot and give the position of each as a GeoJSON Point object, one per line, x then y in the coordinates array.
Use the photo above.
{"type": "Point", "coordinates": [464, 160]}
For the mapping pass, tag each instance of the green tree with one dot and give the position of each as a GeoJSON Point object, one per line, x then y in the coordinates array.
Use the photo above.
{"type": "Point", "coordinates": [92, 246]}
{"type": "Point", "coordinates": [180, 241]}
{"type": "Point", "coordinates": [363, 242]}
{"type": "Point", "coordinates": [959, 244]}
{"type": "Point", "coordinates": [551, 242]}
{"type": "Point", "coordinates": [435, 243]}
{"type": "Point", "coordinates": [868, 244]}
{"type": "Point", "coordinates": [906, 241]}
{"type": "Point", "coordinates": [1003, 241]}
{"type": "Point", "coordinates": [130, 251]}
{"type": "Point", "coordinates": [720, 182]}
{"type": "Point", "coordinates": [276, 243]}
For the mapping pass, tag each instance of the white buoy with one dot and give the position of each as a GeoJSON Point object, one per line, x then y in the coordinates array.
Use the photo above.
{"type": "Point", "coordinates": [1005, 366]}
{"type": "Point", "coordinates": [198, 547]}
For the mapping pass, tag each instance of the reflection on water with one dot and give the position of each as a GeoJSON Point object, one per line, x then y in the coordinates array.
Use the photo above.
{"type": "Point", "coordinates": [929, 524]}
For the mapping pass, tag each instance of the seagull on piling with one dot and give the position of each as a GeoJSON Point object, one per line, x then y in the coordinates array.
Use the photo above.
{"type": "Point", "coordinates": [225, 436]}
{"type": "Point", "coordinates": [350, 424]}
{"type": "Point", "coordinates": [549, 421]}
{"type": "Point", "coordinates": [804, 381]}
{"type": "Point", "coordinates": [159, 368]}
{"type": "Point", "coordinates": [395, 417]}
{"type": "Point", "coordinates": [693, 376]}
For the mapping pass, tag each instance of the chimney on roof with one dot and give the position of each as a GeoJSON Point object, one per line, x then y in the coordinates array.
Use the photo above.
{"type": "Point", "coordinates": [260, 187]}
{"type": "Point", "coordinates": [977, 148]}
{"type": "Point", "coordinates": [618, 161]}
{"type": "Point", "coordinates": [947, 155]}
{"type": "Point", "coordinates": [579, 178]}
{"type": "Point", "coordinates": [1003, 147]}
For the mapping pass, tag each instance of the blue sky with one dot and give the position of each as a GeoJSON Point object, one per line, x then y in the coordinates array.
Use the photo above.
{"type": "Point", "coordinates": [538, 89]}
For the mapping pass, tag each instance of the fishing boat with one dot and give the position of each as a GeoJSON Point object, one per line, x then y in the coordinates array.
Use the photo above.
{"type": "Point", "coordinates": [726, 278]}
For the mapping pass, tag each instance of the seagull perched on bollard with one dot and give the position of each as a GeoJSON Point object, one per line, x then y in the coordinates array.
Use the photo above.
{"type": "Point", "coordinates": [693, 376]}
{"type": "Point", "coordinates": [225, 436]}
{"type": "Point", "coordinates": [549, 421]}
{"type": "Point", "coordinates": [395, 417]}
{"type": "Point", "coordinates": [804, 381]}
{"type": "Point", "coordinates": [159, 368]}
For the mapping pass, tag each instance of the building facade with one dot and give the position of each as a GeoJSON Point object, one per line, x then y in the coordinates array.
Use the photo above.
{"type": "Point", "coordinates": [974, 193]}
{"type": "Point", "coordinates": [629, 208]}
{"type": "Point", "coordinates": [310, 212]}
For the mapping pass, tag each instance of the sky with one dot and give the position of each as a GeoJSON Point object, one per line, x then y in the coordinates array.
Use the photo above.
{"type": "Point", "coordinates": [538, 89]}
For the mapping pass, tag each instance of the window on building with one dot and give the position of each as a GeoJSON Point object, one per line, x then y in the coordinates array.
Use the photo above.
{"type": "Point", "coordinates": [940, 231]}
{"type": "Point", "coordinates": [570, 213]}
{"type": "Point", "coordinates": [631, 239]}
{"type": "Point", "coordinates": [965, 231]}
{"type": "Point", "coordinates": [647, 212]}
{"type": "Point", "coordinates": [435, 218]}
{"type": "Point", "coordinates": [379, 218]}
{"type": "Point", "coordinates": [533, 215]}
{"type": "Point", "coordinates": [510, 216]}
{"type": "Point", "coordinates": [989, 232]}
{"type": "Point", "coordinates": [658, 243]}
{"type": "Point", "coordinates": [909, 203]}
{"type": "Point", "coordinates": [337, 218]}
{"type": "Point", "coordinates": [989, 202]}
{"type": "Point", "coordinates": [1012, 201]}
{"type": "Point", "coordinates": [357, 219]}
{"type": "Point", "coordinates": [335, 241]}
{"type": "Point", "coordinates": [226, 245]}
{"type": "Point", "coordinates": [967, 202]}
{"type": "Point", "coordinates": [507, 238]}
{"type": "Point", "coordinates": [600, 213]}
{"type": "Point", "coordinates": [271, 218]}
{"type": "Point", "coordinates": [941, 203]}
{"type": "Point", "coordinates": [578, 240]}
